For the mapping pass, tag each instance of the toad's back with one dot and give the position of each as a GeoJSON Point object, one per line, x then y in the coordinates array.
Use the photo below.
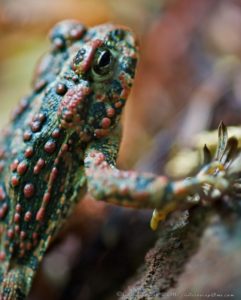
{"type": "Point", "coordinates": [41, 165]}
{"type": "Point", "coordinates": [40, 169]}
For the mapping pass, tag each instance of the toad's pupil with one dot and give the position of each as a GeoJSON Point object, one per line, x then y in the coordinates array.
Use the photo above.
{"type": "Point", "coordinates": [104, 59]}
{"type": "Point", "coordinates": [103, 62]}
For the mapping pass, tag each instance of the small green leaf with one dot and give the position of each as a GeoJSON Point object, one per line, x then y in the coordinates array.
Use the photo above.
{"type": "Point", "coordinates": [222, 141]}
{"type": "Point", "coordinates": [207, 157]}
{"type": "Point", "coordinates": [230, 151]}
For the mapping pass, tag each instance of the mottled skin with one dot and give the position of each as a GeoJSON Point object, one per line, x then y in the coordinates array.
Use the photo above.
{"type": "Point", "coordinates": [63, 140]}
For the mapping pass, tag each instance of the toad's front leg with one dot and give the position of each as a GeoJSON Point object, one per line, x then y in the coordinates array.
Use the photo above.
{"type": "Point", "coordinates": [141, 190]}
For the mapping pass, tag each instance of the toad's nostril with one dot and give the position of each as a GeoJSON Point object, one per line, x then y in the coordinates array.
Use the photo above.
{"type": "Point", "coordinates": [79, 56]}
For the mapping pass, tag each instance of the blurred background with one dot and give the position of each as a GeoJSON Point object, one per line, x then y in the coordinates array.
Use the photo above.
{"type": "Point", "coordinates": [188, 80]}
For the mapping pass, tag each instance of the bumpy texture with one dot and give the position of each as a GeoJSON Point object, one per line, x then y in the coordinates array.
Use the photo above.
{"type": "Point", "coordinates": [79, 90]}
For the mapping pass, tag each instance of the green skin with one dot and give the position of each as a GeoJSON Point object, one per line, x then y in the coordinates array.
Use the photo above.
{"type": "Point", "coordinates": [63, 141]}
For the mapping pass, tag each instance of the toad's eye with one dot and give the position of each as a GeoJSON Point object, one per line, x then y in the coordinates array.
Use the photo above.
{"type": "Point", "coordinates": [103, 63]}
